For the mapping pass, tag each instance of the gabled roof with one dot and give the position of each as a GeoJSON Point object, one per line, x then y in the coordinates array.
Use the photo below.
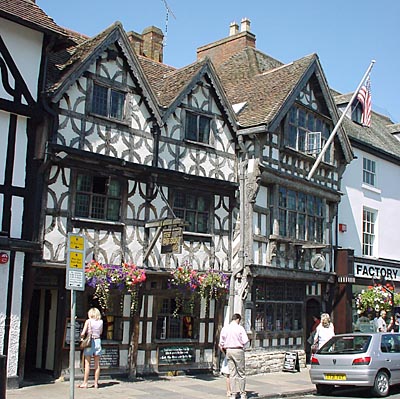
{"type": "Point", "coordinates": [269, 88]}
{"type": "Point", "coordinates": [172, 85]}
{"type": "Point", "coordinates": [27, 13]}
{"type": "Point", "coordinates": [76, 60]}
{"type": "Point", "coordinates": [379, 136]}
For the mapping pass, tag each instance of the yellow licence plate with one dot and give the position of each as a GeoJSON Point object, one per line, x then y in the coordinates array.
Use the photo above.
{"type": "Point", "coordinates": [335, 377]}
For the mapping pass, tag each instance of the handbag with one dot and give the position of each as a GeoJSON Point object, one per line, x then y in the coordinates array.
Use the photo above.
{"type": "Point", "coordinates": [87, 341]}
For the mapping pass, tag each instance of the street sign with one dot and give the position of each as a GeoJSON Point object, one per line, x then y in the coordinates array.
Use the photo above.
{"type": "Point", "coordinates": [75, 278]}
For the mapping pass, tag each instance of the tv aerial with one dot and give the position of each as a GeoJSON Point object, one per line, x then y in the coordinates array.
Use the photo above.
{"type": "Point", "coordinates": [168, 11]}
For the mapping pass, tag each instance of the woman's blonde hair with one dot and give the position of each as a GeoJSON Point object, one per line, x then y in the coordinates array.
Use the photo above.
{"type": "Point", "coordinates": [94, 313]}
{"type": "Point", "coordinates": [325, 320]}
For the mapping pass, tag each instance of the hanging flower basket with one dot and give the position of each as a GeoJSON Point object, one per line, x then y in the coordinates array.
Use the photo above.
{"type": "Point", "coordinates": [376, 298]}
{"type": "Point", "coordinates": [126, 277]}
{"type": "Point", "coordinates": [212, 284]}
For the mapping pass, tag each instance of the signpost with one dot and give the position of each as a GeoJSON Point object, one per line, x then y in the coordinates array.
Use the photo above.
{"type": "Point", "coordinates": [75, 280]}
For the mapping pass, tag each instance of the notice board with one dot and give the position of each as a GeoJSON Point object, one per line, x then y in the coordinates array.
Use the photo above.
{"type": "Point", "coordinates": [291, 362]}
{"type": "Point", "coordinates": [181, 354]}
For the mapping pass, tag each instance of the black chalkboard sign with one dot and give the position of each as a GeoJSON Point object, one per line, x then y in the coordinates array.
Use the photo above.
{"type": "Point", "coordinates": [291, 362]}
{"type": "Point", "coordinates": [109, 357]}
{"type": "Point", "coordinates": [175, 355]}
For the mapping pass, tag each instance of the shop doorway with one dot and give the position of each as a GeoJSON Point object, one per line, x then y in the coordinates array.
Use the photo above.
{"type": "Point", "coordinates": [41, 338]}
{"type": "Point", "coordinates": [313, 308]}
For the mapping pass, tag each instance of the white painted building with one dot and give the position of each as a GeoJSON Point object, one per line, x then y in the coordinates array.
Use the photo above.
{"type": "Point", "coordinates": [369, 212]}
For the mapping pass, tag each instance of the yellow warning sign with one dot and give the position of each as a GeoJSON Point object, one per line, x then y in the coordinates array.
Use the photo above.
{"type": "Point", "coordinates": [76, 260]}
{"type": "Point", "coordinates": [76, 242]}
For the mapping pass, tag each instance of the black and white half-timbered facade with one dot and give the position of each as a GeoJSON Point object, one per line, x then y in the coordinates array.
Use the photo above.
{"type": "Point", "coordinates": [26, 33]}
{"type": "Point", "coordinates": [285, 115]}
{"type": "Point", "coordinates": [125, 156]}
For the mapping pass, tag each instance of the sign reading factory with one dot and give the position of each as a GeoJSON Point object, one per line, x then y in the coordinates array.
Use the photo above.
{"type": "Point", "coordinates": [376, 272]}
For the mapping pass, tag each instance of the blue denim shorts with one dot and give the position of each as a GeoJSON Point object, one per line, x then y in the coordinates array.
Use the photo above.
{"type": "Point", "coordinates": [94, 349]}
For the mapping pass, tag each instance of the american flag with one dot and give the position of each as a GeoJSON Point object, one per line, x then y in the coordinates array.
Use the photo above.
{"type": "Point", "coordinates": [364, 97]}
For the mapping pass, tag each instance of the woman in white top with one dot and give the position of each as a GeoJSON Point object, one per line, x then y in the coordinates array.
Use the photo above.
{"type": "Point", "coordinates": [94, 327]}
{"type": "Point", "coordinates": [325, 330]}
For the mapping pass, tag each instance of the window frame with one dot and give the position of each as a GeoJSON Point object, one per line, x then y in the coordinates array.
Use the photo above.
{"type": "Point", "coordinates": [180, 199]}
{"type": "Point", "coordinates": [306, 210]}
{"type": "Point", "coordinates": [198, 136]}
{"type": "Point", "coordinates": [94, 197]}
{"type": "Point", "coordinates": [369, 172]}
{"type": "Point", "coordinates": [369, 220]}
{"type": "Point", "coordinates": [108, 111]}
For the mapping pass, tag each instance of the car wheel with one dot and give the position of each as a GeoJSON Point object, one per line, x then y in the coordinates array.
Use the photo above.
{"type": "Point", "coordinates": [324, 389]}
{"type": "Point", "coordinates": [381, 384]}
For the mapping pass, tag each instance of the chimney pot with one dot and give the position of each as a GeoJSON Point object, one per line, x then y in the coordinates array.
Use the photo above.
{"type": "Point", "coordinates": [245, 25]}
{"type": "Point", "coordinates": [233, 28]}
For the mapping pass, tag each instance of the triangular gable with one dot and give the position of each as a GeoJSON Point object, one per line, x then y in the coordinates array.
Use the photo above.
{"type": "Point", "coordinates": [20, 91]}
{"type": "Point", "coordinates": [191, 78]}
{"type": "Point", "coordinates": [87, 53]}
{"type": "Point", "coordinates": [315, 76]}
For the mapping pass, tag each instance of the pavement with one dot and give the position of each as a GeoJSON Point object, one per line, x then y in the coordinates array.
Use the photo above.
{"type": "Point", "coordinates": [272, 385]}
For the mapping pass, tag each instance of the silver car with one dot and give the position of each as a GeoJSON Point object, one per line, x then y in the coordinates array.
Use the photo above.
{"type": "Point", "coordinates": [359, 359]}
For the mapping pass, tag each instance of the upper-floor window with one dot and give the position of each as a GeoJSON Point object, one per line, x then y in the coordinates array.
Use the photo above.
{"type": "Point", "coordinates": [98, 197]}
{"type": "Point", "coordinates": [194, 209]}
{"type": "Point", "coordinates": [108, 102]}
{"type": "Point", "coordinates": [368, 238]}
{"type": "Point", "coordinates": [308, 132]}
{"type": "Point", "coordinates": [369, 172]}
{"type": "Point", "coordinates": [301, 216]}
{"type": "Point", "coordinates": [197, 127]}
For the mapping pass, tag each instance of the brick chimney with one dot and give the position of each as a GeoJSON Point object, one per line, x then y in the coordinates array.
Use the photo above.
{"type": "Point", "coordinates": [221, 50]}
{"type": "Point", "coordinates": [149, 43]}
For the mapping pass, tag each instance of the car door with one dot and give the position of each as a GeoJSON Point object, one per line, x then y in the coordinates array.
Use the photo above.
{"type": "Point", "coordinates": [390, 348]}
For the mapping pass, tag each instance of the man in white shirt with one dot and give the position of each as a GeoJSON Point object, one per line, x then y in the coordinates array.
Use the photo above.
{"type": "Point", "coordinates": [232, 340]}
{"type": "Point", "coordinates": [381, 322]}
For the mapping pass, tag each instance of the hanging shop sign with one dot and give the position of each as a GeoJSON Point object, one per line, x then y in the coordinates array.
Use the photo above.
{"type": "Point", "coordinates": [171, 240]}
{"type": "Point", "coordinates": [376, 272]}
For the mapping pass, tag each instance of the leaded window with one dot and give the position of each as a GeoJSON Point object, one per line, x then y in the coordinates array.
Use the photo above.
{"type": "Point", "coordinates": [108, 102]}
{"type": "Point", "coordinates": [301, 216]}
{"type": "Point", "coordinates": [197, 127]}
{"type": "Point", "coordinates": [98, 197]}
{"type": "Point", "coordinates": [194, 208]}
{"type": "Point", "coordinates": [279, 305]}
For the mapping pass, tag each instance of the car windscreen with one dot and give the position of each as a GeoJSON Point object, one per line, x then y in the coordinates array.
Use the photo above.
{"type": "Point", "coordinates": [346, 345]}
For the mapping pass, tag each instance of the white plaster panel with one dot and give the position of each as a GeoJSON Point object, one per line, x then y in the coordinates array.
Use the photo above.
{"type": "Point", "coordinates": [55, 239]}
{"type": "Point", "coordinates": [2, 330]}
{"type": "Point", "coordinates": [126, 309]}
{"type": "Point", "coordinates": [21, 143]}
{"type": "Point", "coordinates": [125, 333]}
{"type": "Point", "coordinates": [4, 275]}
{"type": "Point", "coordinates": [153, 358]}
{"type": "Point", "coordinates": [210, 337]}
{"type": "Point", "coordinates": [1, 207]}
{"type": "Point", "coordinates": [208, 355]}
{"type": "Point", "coordinates": [109, 244]}
{"type": "Point", "coordinates": [17, 211]}
{"type": "Point", "coordinates": [197, 355]}
{"type": "Point", "coordinates": [202, 335]}
{"type": "Point", "coordinates": [149, 331]}
{"type": "Point", "coordinates": [25, 47]}
{"type": "Point", "coordinates": [4, 126]}
{"type": "Point", "coordinates": [150, 306]}
{"type": "Point", "coordinates": [140, 357]}
{"type": "Point", "coordinates": [75, 98]}
{"type": "Point", "coordinates": [123, 358]}
{"type": "Point", "coordinates": [15, 320]}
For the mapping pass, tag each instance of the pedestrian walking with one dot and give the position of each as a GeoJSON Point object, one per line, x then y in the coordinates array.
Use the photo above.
{"type": "Point", "coordinates": [381, 322]}
{"type": "Point", "coordinates": [232, 341]}
{"type": "Point", "coordinates": [324, 332]}
{"type": "Point", "coordinates": [94, 327]}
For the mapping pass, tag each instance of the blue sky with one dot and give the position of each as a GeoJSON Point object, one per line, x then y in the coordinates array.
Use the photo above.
{"type": "Point", "coordinates": [345, 34]}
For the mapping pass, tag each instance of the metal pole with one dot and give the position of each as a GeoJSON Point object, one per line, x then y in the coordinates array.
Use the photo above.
{"type": "Point", "coordinates": [321, 154]}
{"type": "Point", "coordinates": [72, 347]}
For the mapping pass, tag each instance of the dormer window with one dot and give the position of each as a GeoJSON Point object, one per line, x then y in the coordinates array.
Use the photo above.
{"type": "Point", "coordinates": [197, 127]}
{"type": "Point", "coordinates": [356, 112]}
{"type": "Point", "coordinates": [108, 102]}
{"type": "Point", "coordinates": [307, 132]}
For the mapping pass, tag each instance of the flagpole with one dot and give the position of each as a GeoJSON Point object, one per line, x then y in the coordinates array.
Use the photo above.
{"type": "Point", "coordinates": [328, 142]}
